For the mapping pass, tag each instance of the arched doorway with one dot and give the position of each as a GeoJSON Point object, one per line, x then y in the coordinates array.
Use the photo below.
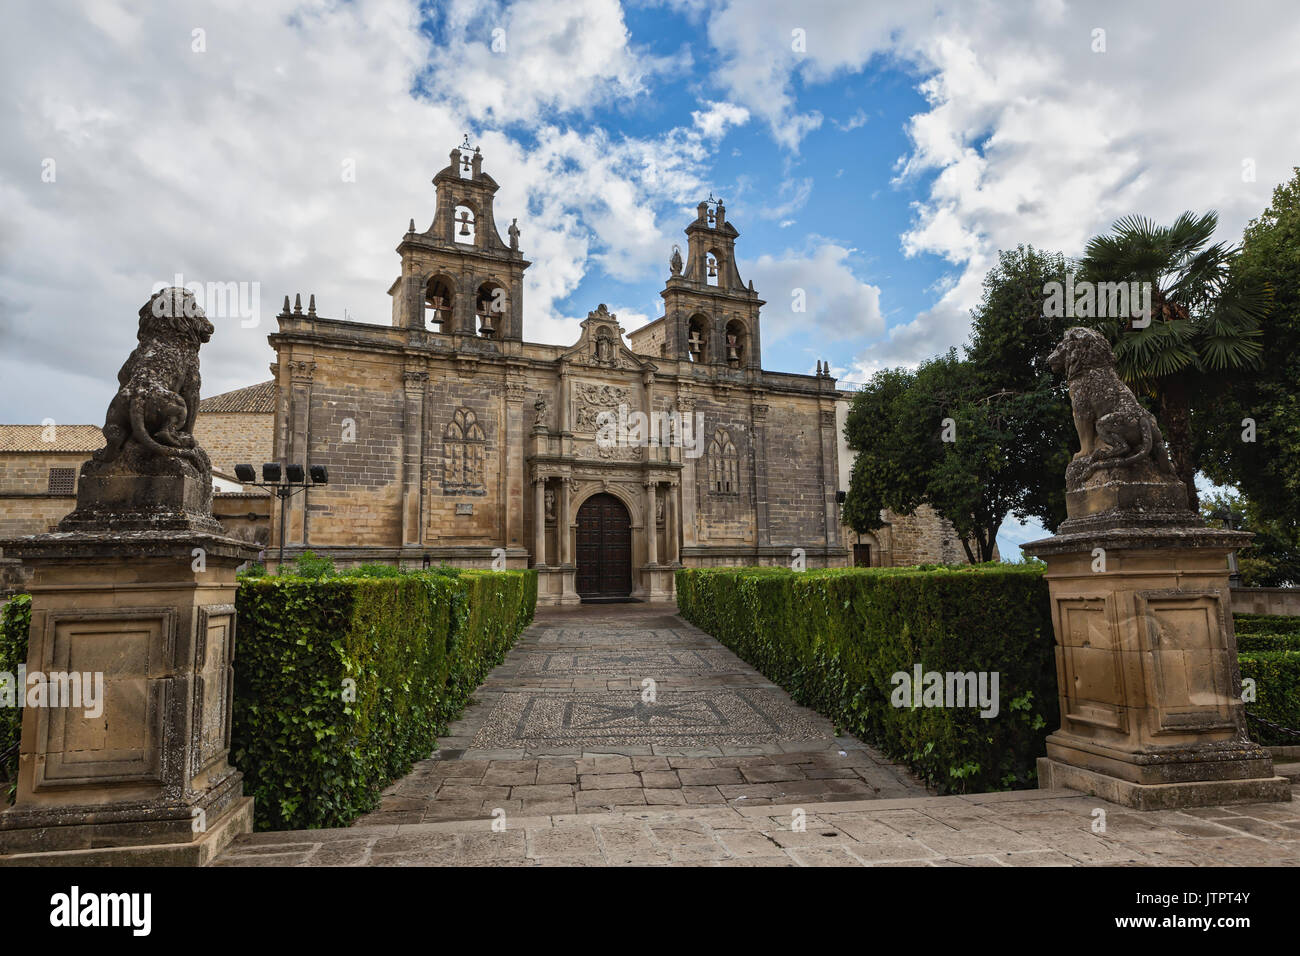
{"type": "Point", "coordinates": [604, 549]}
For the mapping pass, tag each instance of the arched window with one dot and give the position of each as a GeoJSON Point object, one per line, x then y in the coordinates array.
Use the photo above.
{"type": "Point", "coordinates": [736, 343]}
{"type": "Point", "coordinates": [464, 227]}
{"type": "Point", "coordinates": [697, 338]}
{"type": "Point", "coordinates": [464, 446]}
{"type": "Point", "coordinates": [490, 307]}
{"type": "Point", "coordinates": [724, 465]}
{"type": "Point", "coordinates": [437, 305]}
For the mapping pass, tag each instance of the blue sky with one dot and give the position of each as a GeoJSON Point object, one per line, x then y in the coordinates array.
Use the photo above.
{"type": "Point", "coordinates": [879, 167]}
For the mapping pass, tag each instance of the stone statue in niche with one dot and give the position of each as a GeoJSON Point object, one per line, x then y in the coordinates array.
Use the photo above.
{"type": "Point", "coordinates": [675, 263]}
{"type": "Point", "coordinates": [1120, 441]}
{"type": "Point", "coordinates": [659, 509]}
{"type": "Point", "coordinates": [604, 347]}
{"type": "Point", "coordinates": [549, 495]}
{"type": "Point", "coordinates": [539, 411]}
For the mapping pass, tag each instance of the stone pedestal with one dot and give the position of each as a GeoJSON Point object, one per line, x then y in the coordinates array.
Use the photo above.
{"type": "Point", "coordinates": [557, 586]}
{"type": "Point", "coordinates": [147, 781]}
{"type": "Point", "coordinates": [1146, 663]}
{"type": "Point", "coordinates": [660, 582]}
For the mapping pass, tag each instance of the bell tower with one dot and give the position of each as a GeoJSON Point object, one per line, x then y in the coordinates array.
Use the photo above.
{"type": "Point", "coordinates": [710, 315]}
{"type": "Point", "coordinates": [459, 278]}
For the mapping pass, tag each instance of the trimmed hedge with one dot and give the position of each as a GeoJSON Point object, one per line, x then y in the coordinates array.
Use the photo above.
{"type": "Point", "coordinates": [15, 622]}
{"type": "Point", "coordinates": [1277, 693]}
{"type": "Point", "coordinates": [416, 645]}
{"type": "Point", "coordinates": [1249, 643]}
{"type": "Point", "coordinates": [834, 639]}
{"type": "Point", "coordinates": [1265, 624]}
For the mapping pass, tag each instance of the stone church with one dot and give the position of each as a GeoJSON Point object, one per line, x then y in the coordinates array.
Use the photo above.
{"type": "Point", "coordinates": [449, 438]}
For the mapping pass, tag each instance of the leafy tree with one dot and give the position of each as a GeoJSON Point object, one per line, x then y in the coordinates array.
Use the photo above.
{"type": "Point", "coordinates": [1003, 407]}
{"type": "Point", "coordinates": [1204, 319]}
{"type": "Point", "coordinates": [1011, 338]}
{"type": "Point", "coordinates": [926, 437]}
{"type": "Point", "coordinates": [1263, 404]}
{"type": "Point", "coordinates": [1272, 559]}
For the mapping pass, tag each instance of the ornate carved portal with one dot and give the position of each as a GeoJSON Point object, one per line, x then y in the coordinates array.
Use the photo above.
{"type": "Point", "coordinates": [604, 549]}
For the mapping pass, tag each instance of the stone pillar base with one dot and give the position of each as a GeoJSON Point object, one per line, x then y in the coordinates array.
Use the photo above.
{"type": "Point", "coordinates": [1146, 664]}
{"type": "Point", "coordinates": [1054, 775]}
{"type": "Point", "coordinates": [557, 586]}
{"type": "Point", "coordinates": [658, 583]}
{"type": "Point", "coordinates": [200, 851]}
{"type": "Point", "coordinates": [144, 777]}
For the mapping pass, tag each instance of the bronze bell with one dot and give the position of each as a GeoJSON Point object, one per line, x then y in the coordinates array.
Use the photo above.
{"type": "Point", "coordinates": [464, 224]}
{"type": "Point", "coordinates": [485, 327]}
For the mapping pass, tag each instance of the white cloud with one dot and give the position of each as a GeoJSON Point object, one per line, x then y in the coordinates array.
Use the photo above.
{"type": "Point", "coordinates": [1030, 136]}
{"type": "Point", "coordinates": [227, 165]}
{"type": "Point", "coordinates": [837, 305]}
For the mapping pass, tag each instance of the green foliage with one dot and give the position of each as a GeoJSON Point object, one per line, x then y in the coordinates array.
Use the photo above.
{"type": "Point", "coordinates": [835, 638]}
{"type": "Point", "coordinates": [1266, 641]}
{"type": "Point", "coordinates": [15, 623]}
{"type": "Point", "coordinates": [1272, 559]}
{"type": "Point", "coordinates": [1205, 318]}
{"type": "Point", "coordinates": [315, 749]}
{"type": "Point", "coordinates": [1265, 624]}
{"type": "Point", "coordinates": [1266, 470]}
{"type": "Point", "coordinates": [1277, 693]}
{"type": "Point", "coordinates": [1009, 415]}
{"type": "Point", "coordinates": [310, 565]}
{"type": "Point", "coordinates": [254, 569]}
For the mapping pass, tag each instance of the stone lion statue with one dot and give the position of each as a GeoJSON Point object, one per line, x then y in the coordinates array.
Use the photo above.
{"type": "Point", "coordinates": [158, 385]}
{"type": "Point", "coordinates": [1115, 431]}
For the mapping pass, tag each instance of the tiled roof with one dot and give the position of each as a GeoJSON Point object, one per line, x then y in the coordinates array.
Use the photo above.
{"type": "Point", "coordinates": [255, 398]}
{"type": "Point", "coordinates": [31, 438]}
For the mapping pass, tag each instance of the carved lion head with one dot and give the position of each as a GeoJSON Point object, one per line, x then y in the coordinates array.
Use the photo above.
{"type": "Point", "coordinates": [174, 312]}
{"type": "Point", "coordinates": [1080, 350]}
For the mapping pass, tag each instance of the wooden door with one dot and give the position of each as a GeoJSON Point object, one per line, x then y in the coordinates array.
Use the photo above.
{"type": "Point", "coordinates": [604, 548]}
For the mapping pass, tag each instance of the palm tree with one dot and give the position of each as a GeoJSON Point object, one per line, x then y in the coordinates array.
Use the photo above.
{"type": "Point", "coordinates": [1203, 323]}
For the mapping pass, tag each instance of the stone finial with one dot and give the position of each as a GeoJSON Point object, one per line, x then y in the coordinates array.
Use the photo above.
{"type": "Point", "coordinates": [284, 310]}
{"type": "Point", "coordinates": [297, 303]}
{"type": "Point", "coordinates": [1122, 464]}
{"type": "Point", "coordinates": [411, 228]}
{"type": "Point", "coordinates": [311, 306]}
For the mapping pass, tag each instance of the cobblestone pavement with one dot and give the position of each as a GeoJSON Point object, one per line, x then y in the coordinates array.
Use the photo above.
{"type": "Point", "coordinates": [1024, 828]}
{"type": "Point", "coordinates": [564, 725]}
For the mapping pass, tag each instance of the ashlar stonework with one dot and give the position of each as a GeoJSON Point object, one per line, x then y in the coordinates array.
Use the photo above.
{"type": "Point", "coordinates": [450, 438]}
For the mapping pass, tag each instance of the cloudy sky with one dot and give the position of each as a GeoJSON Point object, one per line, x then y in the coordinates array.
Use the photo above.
{"type": "Point", "coordinates": [875, 155]}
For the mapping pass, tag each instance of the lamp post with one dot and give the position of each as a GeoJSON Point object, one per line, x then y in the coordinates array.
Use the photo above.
{"type": "Point", "coordinates": [285, 483]}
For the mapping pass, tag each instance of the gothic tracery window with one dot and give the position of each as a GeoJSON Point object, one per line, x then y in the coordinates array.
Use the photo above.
{"type": "Point", "coordinates": [464, 446]}
{"type": "Point", "coordinates": [724, 466]}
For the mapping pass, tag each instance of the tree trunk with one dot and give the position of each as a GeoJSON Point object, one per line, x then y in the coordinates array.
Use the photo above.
{"type": "Point", "coordinates": [1175, 422]}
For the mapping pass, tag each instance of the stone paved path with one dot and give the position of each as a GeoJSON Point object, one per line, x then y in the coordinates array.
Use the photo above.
{"type": "Point", "coordinates": [1024, 828]}
{"type": "Point", "coordinates": [563, 725]}
{"type": "Point", "coordinates": [560, 761]}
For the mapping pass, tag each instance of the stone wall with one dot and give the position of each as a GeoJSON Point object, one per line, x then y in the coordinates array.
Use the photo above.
{"type": "Point", "coordinates": [232, 438]}
{"type": "Point", "coordinates": [649, 339]}
{"type": "Point", "coordinates": [1275, 601]}
{"type": "Point", "coordinates": [26, 505]}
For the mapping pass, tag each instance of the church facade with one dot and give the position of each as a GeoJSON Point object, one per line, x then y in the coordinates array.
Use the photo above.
{"type": "Point", "coordinates": [605, 464]}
